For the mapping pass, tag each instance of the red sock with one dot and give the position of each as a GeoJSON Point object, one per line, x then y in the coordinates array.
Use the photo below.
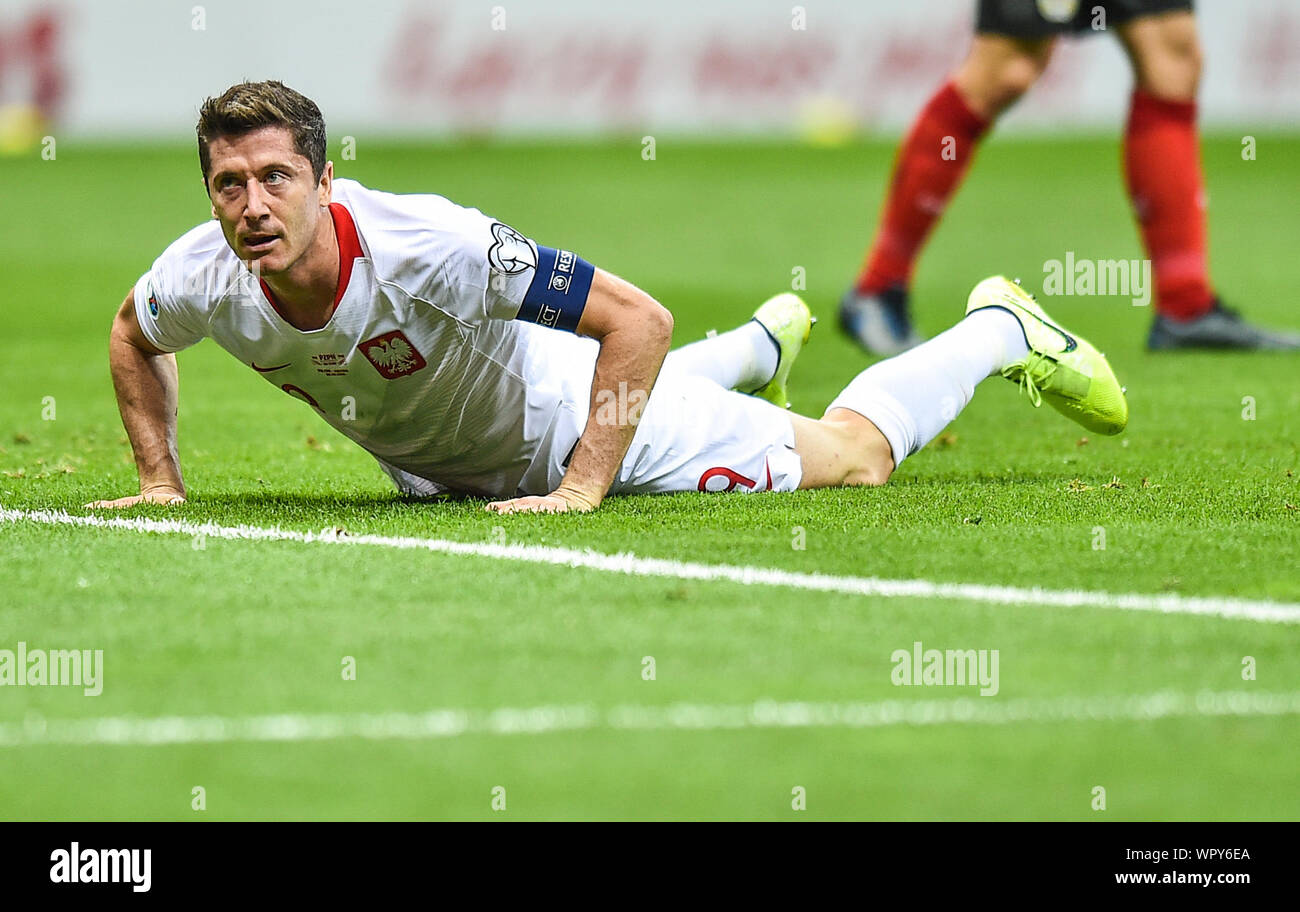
{"type": "Point", "coordinates": [1163, 171]}
{"type": "Point", "coordinates": [930, 164]}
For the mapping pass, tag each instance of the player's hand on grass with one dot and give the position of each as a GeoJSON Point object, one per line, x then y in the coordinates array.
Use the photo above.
{"type": "Point", "coordinates": [165, 496]}
{"type": "Point", "coordinates": [561, 500]}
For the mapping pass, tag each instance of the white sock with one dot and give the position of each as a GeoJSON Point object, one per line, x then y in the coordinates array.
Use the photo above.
{"type": "Point", "coordinates": [742, 359]}
{"type": "Point", "coordinates": [914, 396]}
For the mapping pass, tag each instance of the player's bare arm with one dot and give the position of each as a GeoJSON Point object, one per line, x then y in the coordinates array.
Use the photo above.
{"type": "Point", "coordinates": [635, 333]}
{"type": "Point", "coordinates": [145, 381]}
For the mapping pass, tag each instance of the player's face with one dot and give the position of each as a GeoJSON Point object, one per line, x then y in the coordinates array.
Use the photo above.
{"type": "Point", "coordinates": [265, 196]}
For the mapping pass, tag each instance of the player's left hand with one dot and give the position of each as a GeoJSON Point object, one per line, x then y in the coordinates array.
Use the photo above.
{"type": "Point", "coordinates": [558, 501]}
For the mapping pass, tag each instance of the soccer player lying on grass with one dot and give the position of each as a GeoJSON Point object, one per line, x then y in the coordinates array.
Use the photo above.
{"type": "Point", "coordinates": [466, 358]}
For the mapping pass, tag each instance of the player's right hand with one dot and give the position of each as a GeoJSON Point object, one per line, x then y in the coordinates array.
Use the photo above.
{"type": "Point", "coordinates": [164, 496]}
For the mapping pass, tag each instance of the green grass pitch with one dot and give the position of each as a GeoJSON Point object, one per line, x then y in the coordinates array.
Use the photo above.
{"type": "Point", "coordinates": [1198, 498]}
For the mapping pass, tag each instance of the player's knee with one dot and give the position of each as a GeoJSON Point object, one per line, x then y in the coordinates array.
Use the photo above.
{"type": "Point", "coordinates": [993, 81]}
{"type": "Point", "coordinates": [1170, 62]}
{"type": "Point", "coordinates": [870, 474]}
{"type": "Point", "coordinates": [998, 70]}
{"type": "Point", "coordinates": [1014, 77]}
{"type": "Point", "coordinates": [875, 462]}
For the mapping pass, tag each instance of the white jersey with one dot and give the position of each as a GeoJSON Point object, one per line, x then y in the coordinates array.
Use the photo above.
{"type": "Point", "coordinates": [422, 363]}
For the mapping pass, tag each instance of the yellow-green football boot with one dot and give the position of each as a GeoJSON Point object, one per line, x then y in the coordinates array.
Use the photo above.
{"type": "Point", "coordinates": [1061, 367]}
{"type": "Point", "coordinates": [788, 321]}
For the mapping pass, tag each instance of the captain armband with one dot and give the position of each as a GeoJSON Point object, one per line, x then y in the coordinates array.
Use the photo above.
{"type": "Point", "coordinates": [558, 292]}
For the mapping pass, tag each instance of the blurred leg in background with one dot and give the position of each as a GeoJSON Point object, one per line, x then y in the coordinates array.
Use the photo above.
{"type": "Point", "coordinates": [1012, 47]}
{"type": "Point", "coordinates": [930, 166]}
{"type": "Point", "coordinates": [1162, 171]}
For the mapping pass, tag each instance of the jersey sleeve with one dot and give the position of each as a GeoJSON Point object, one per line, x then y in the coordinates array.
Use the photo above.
{"type": "Point", "coordinates": [501, 274]}
{"type": "Point", "coordinates": [165, 309]}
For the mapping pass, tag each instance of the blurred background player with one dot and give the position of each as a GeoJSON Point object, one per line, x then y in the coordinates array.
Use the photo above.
{"type": "Point", "coordinates": [1013, 44]}
{"type": "Point", "coordinates": [33, 81]}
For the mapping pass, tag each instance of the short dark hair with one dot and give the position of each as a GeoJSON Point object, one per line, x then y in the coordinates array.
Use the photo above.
{"type": "Point", "coordinates": [249, 106]}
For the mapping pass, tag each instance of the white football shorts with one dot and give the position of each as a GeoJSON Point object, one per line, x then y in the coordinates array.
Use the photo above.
{"type": "Point", "coordinates": [694, 435]}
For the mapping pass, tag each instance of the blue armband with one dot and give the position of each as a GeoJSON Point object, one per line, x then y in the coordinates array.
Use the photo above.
{"type": "Point", "coordinates": [558, 293]}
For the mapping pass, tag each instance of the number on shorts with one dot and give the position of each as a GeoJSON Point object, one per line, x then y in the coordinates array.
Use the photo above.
{"type": "Point", "coordinates": [733, 479]}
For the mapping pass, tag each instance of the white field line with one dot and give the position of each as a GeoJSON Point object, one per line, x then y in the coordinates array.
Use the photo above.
{"type": "Point", "coordinates": [764, 714]}
{"type": "Point", "coordinates": [630, 564]}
